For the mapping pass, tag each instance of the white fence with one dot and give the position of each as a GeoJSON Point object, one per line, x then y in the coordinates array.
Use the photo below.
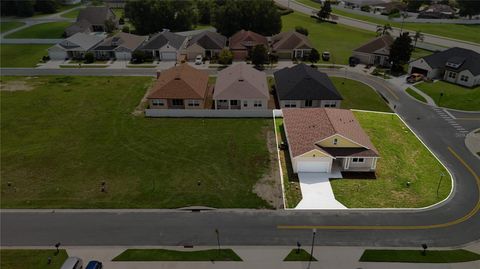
{"type": "Point", "coordinates": [210, 113]}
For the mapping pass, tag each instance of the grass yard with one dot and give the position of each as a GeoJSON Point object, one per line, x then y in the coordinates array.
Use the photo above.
{"type": "Point", "coordinates": [72, 14]}
{"type": "Point", "coordinates": [454, 96]}
{"type": "Point", "coordinates": [415, 256]}
{"type": "Point", "coordinates": [403, 158]}
{"type": "Point", "coordinates": [301, 256]}
{"type": "Point", "coordinates": [63, 136]}
{"type": "Point", "coordinates": [10, 25]}
{"type": "Point", "coordinates": [357, 95]}
{"type": "Point", "coordinates": [42, 30]}
{"type": "Point", "coordinates": [419, 53]}
{"type": "Point", "coordinates": [415, 95]}
{"type": "Point", "coordinates": [338, 39]}
{"type": "Point", "coordinates": [176, 255]}
{"type": "Point", "coordinates": [16, 55]}
{"type": "Point", "coordinates": [31, 258]}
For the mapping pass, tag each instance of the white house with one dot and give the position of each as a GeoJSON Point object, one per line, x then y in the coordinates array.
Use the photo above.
{"type": "Point", "coordinates": [75, 46]}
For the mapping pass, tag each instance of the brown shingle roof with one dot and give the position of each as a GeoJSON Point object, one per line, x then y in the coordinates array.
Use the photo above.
{"type": "Point", "coordinates": [180, 82]}
{"type": "Point", "coordinates": [290, 40]}
{"type": "Point", "coordinates": [381, 42]}
{"type": "Point", "coordinates": [306, 127]}
{"type": "Point", "coordinates": [243, 39]}
{"type": "Point", "coordinates": [239, 82]}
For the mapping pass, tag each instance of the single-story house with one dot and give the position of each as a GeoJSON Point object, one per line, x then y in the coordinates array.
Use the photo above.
{"type": "Point", "coordinates": [92, 19]}
{"type": "Point", "coordinates": [75, 47]}
{"type": "Point", "coordinates": [356, 4]}
{"type": "Point", "coordinates": [165, 46]}
{"type": "Point", "coordinates": [305, 86]}
{"type": "Point", "coordinates": [242, 42]}
{"type": "Point", "coordinates": [456, 65]}
{"type": "Point", "coordinates": [437, 11]}
{"type": "Point", "coordinates": [180, 87]}
{"type": "Point", "coordinates": [375, 52]}
{"type": "Point", "coordinates": [322, 139]}
{"type": "Point", "coordinates": [291, 44]}
{"type": "Point", "coordinates": [120, 46]}
{"type": "Point", "coordinates": [241, 86]}
{"type": "Point", "coordinates": [207, 43]}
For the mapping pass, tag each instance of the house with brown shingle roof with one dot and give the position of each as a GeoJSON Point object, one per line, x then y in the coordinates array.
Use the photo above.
{"type": "Point", "coordinates": [120, 46]}
{"type": "Point", "coordinates": [289, 45]}
{"type": "Point", "coordinates": [375, 52]}
{"type": "Point", "coordinates": [92, 19]}
{"type": "Point", "coordinates": [241, 86]}
{"type": "Point", "coordinates": [322, 139]}
{"type": "Point", "coordinates": [242, 42]}
{"type": "Point", "coordinates": [180, 87]}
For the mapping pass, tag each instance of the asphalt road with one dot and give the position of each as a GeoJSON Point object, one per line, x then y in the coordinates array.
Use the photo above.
{"type": "Point", "coordinates": [454, 222]}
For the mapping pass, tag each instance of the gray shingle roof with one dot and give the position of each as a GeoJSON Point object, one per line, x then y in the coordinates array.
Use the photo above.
{"type": "Point", "coordinates": [82, 41]}
{"type": "Point", "coordinates": [95, 15]}
{"type": "Point", "coordinates": [209, 40]}
{"type": "Point", "coordinates": [125, 40]}
{"type": "Point", "coordinates": [303, 82]}
{"type": "Point", "coordinates": [381, 42]}
{"type": "Point", "coordinates": [159, 40]}
{"type": "Point", "coordinates": [470, 60]}
{"type": "Point", "coordinates": [290, 40]}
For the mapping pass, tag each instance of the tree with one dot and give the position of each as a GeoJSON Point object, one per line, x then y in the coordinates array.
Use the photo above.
{"type": "Point", "coordinates": [401, 51]}
{"type": "Point", "coordinates": [110, 26]}
{"type": "Point", "coordinates": [324, 12]}
{"type": "Point", "coordinates": [314, 56]}
{"type": "Point", "coordinates": [414, 5]}
{"type": "Point", "coordinates": [46, 6]}
{"type": "Point", "coordinates": [138, 56]}
{"type": "Point", "coordinates": [204, 10]}
{"type": "Point", "coordinates": [24, 8]}
{"type": "Point", "coordinates": [259, 55]}
{"type": "Point", "coordinates": [301, 30]}
{"type": "Point", "coordinates": [418, 36]}
{"type": "Point", "coordinates": [89, 57]}
{"type": "Point", "coordinates": [384, 30]}
{"type": "Point", "coordinates": [126, 29]}
{"type": "Point", "coordinates": [225, 57]}
{"type": "Point", "coordinates": [469, 8]}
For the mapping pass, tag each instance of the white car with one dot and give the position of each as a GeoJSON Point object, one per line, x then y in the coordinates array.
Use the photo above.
{"type": "Point", "coordinates": [199, 59]}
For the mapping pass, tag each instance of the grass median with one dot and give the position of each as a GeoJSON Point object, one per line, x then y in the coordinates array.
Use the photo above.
{"type": "Point", "coordinates": [31, 258]}
{"type": "Point", "coordinates": [176, 255]}
{"type": "Point", "coordinates": [46, 30]}
{"type": "Point", "coordinates": [417, 256]}
{"type": "Point", "coordinates": [9, 25]}
{"type": "Point", "coordinates": [299, 256]}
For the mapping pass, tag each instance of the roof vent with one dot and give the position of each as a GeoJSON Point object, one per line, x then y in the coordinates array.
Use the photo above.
{"type": "Point", "coordinates": [240, 79]}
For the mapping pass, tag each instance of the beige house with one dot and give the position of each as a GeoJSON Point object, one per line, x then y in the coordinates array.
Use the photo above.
{"type": "Point", "coordinates": [208, 44]}
{"type": "Point", "coordinates": [375, 52]}
{"type": "Point", "coordinates": [290, 45]}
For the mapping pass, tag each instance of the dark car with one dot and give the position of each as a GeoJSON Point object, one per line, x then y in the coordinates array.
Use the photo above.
{"type": "Point", "coordinates": [353, 61]}
{"type": "Point", "coordinates": [94, 265]}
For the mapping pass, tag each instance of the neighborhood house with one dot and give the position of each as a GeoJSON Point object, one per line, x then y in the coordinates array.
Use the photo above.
{"type": "Point", "coordinates": [326, 139]}
{"type": "Point", "coordinates": [75, 46]}
{"type": "Point", "coordinates": [120, 46]}
{"type": "Point", "coordinates": [375, 52]}
{"type": "Point", "coordinates": [290, 45]}
{"type": "Point", "coordinates": [242, 42]}
{"type": "Point", "coordinates": [164, 46]}
{"type": "Point", "coordinates": [92, 19]}
{"type": "Point", "coordinates": [208, 44]}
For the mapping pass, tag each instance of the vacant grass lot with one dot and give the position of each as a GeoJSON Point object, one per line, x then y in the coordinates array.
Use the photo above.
{"type": "Point", "coordinates": [415, 256]}
{"type": "Point", "coordinates": [175, 255]}
{"type": "Point", "coordinates": [16, 55]}
{"type": "Point", "coordinates": [9, 25]}
{"type": "Point", "coordinates": [454, 96]}
{"type": "Point", "coordinates": [43, 30]}
{"type": "Point", "coordinates": [402, 158]}
{"type": "Point", "coordinates": [357, 95]}
{"type": "Point", "coordinates": [61, 137]}
{"type": "Point", "coordinates": [31, 258]}
{"type": "Point", "coordinates": [338, 39]}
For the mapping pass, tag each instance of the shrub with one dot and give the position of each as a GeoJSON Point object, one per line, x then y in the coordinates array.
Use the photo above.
{"type": "Point", "coordinates": [365, 8]}
{"type": "Point", "coordinates": [89, 58]}
{"type": "Point", "coordinates": [138, 57]}
{"type": "Point", "coordinates": [225, 57]}
{"type": "Point", "coordinates": [126, 29]}
{"type": "Point", "coordinates": [121, 21]}
{"type": "Point", "coordinates": [301, 30]}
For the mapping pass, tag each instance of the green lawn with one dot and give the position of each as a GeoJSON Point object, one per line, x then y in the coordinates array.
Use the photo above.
{"type": "Point", "coordinates": [415, 256]}
{"type": "Point", "coordinates": [415, 95]}
{"type": "Point", "coordinates": [403, 158]}
{"type": "Point", "coordinates": [43, 30]}
{"type": "Point", "coordinates": [357, 95]}
{"type": "Point", "coordinates": [9, 25]}
{"type": "Point", "coordinates": [22, 55]}
{"type": "Point", "coordinates": [456, 31]}
{"type": "Point", "coordinates": [419, 53]}
{"type": "Point", "coordinates": [454, 96]}
{"type": "Point", "coordinates": [175, 255]}
{"type": "Point", "coordinates": [301, 256]}
{"type": "Point", "coordinates": [338, 39]}
{"type": "Point", "coordinates": [31, 258]}
{"type": "Point", "coordinates": [72, 14]}
{"type": "Point", "coordinates": [66, 135]}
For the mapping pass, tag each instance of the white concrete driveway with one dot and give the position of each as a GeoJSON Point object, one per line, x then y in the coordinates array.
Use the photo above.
{"type": "Point", "coordinates": [317, 192]}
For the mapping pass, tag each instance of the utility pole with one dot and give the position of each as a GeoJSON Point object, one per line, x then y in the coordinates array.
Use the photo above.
{"type": "Point", "coordinates": [311, 250]}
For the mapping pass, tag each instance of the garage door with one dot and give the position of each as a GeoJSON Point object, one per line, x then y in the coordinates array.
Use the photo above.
{"type": "Point", "coordinates": [57, 55]}
{"type": "Point", "coordinates": [169, 56]}
{"type": "Point", "coordinates": [313, 166]}
{"type": "Point", "coordinates": [419, 71]}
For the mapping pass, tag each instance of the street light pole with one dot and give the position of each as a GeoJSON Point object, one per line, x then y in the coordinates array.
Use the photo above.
{"type": "Point", "coordinates": [218, 239]}
{"type": "Point", "coordinates": [311, 250]}
{"type": "Point", "coordinates": [440, 182]}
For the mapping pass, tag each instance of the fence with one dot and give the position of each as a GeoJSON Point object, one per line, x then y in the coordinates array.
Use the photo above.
{"type": "Point", "coordinates": [210, 113]}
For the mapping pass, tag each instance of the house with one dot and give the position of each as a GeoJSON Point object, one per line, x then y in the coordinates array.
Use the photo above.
{"type": "Point", "coordinates": [165, 46]}
{"type": "Point", "coordinates": [375, 52]}
{"type": "Point", "coordinates": [305, 86]}
{"type": "Point", "coordinates": [437, 11]}
{"type": "Point", "coordinates": [325, 139]}
{"type": "Point", "coordinates": [180, 87]}
{"type": "Point", "coordinates": [455, 65]}
{"type": "Point", "coordinates": [92, 19]}
{"type": "Point", "coordinates": [389, 8]}
{"type": "Point", "coordinates": [120, 46]}
{"type": "Point", "coordinates": [289, 45]}
{"type": "Point", "coordinates": [242, 42]}
{"type": "Point", "coordinates": [75, 46]}
{"type": "Point", "coordinates": [357, 4]}
{"type": "Point", "coordinates": [241, 86]}
{"type": "Point", "coordinates": [207, 43]}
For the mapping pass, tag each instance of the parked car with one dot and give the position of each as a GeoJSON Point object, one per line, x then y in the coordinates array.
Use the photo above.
{"type": "Point", "coordinates": [415, 77]}
{"type": "Point", "coordinates": [326, 56]}
{"type": "Point", "coordinates": [199, 59]}
{"type": "Point", "coordinates": [72, 263]}
{"type": "Point", "coordinates": [353, 61]}
{"type": "Point", "coordinates": [94, 265]}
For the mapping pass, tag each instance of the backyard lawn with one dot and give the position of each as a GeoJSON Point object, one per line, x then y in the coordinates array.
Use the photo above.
{"type": "Point", "coordinates": [21, 55]}
{"type": "Point", "coordinates": [338, 39]}
{"type": "Point", "coordinates": [31, 258]}
{"type": "Point", "coordinates": [9, 25]}
{"type": "Point", "coordinates": [454, 96]}
{"type": "Point", "coordinates": [43, 30]}
{"type": "Point", "coordinates": [403, 158]}
{"type": "Point", "coordinates": [175, 255]}
{"type": "Point", "coordinates": [62, 137]}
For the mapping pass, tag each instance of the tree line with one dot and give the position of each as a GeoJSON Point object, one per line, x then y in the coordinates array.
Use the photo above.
{"type": "Point", "coordinates": [27, 8]}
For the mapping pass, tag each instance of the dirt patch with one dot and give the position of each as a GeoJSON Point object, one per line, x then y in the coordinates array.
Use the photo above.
{"type": "Point", "coordinates": [269, 186]}
{"type": "Point", "coordinates": [15, 85]}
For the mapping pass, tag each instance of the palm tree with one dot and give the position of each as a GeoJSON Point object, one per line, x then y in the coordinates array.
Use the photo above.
{"type": "Point", "coordinates": [384, 30]}
{"type": "Point", "coordinates": [418, 36]}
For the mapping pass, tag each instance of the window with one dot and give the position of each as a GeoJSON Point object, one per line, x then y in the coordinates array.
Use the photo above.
{"type": "Point", "coordinates": [257, 103]}
{"type": "Point", "coordinates": [157, 102]}
{"type": "Point", "coordinates": [464, 78]}
{"type": "Point", "coordinates": [177, 102]}
{"type": "Point", "coordinates": [358, 160]}
{"type": "Point", "coordinates": [335, 141]}
{"type": "Point", "coordinates": [452, 75]}
{"type": "Point", "coordinates": [193, 103]}
{"type": "Point", "coordinates": [234, 102]}
{"type": "Point", "coordinates": [290, 104]}
{"type": "Point", "coordinates": [308, 103]}
{"type": "Point", "coordinates": [329, 103]}
{"type": "Point", "coordinates": [245, 103]}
